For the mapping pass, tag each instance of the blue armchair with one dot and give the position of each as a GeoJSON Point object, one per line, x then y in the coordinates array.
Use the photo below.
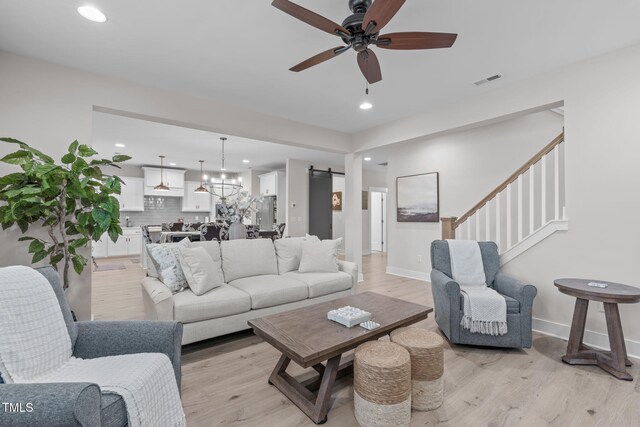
{"type": "Point", "coordinates": [449, 302]}
{"type": "Point", "coordinates": [83, 404]}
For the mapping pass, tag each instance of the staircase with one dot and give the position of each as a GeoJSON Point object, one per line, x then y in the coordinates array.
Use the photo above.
{"type": "Point", "coordinates": [522, 211]}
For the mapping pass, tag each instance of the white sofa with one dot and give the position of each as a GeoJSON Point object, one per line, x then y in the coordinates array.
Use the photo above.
{"type": "Point", "coordinates": [259, 280]}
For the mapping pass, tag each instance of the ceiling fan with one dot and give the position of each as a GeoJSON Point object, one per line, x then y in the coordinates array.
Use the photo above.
{"type": "Point", "coordinates": [361, 30]}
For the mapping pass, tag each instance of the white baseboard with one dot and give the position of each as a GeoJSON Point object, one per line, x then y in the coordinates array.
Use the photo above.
{"type": "Point", "coordinates": [411, 274]}
{"type": "Point", "coordinates": [591, 338]}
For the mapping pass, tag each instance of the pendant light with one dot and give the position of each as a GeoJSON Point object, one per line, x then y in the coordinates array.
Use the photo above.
{"type": "Point", "coordinates": [202, 188]}
{"type": "Point", "coordinates": [161, 186]}
{"type": "Point", "coordinates": [221, 188]}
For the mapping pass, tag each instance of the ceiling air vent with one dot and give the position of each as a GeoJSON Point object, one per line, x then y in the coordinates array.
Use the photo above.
{"type": "Point", "coordinates": [383, 164]}
{"type": "Point", "coordinates": [488, 79]}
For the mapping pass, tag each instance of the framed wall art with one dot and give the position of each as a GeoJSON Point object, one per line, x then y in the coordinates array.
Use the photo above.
{"type": "Point", "coordinates": [417, 198]}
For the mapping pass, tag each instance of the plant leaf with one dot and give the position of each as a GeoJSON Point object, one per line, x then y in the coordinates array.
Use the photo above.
{"type": "Point", "coordinates": [39, 256]}
{"type": "Point", "coordinates": [36, 246]}
{"type": "Point", "coordinates": [17, 158]}
{"type": "Point", "coordinates": [68, 158]}
{"type": "Point", "coordinates": [78, 263]}
{"type": "Point", "coordinates": [73, 147]}
{"type": "Point", "coordinates": [86, 151]}
{"type": "Point", "coordinates": [118, 158]}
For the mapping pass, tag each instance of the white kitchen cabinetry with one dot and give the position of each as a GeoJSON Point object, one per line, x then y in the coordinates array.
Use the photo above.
{"type": "Point", "coordinates": [195, 202]}
{"type": "Point", "coordinates": [172, 178]}
{"type": "Point", "coordinates": [275, 184]}
{"type": "Point", "coordinates": [99, 248]}
{"type": "Point", "coordinates": [130, 243]}
{"type": "Point", "coordinates": [131, 195]}
{"type": "Point", "coordinates": [269, 184]}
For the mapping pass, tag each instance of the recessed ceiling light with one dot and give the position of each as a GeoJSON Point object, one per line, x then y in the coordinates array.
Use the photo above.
{"type": "Point", "coordinates": [120, 145]}
{"type": "Point", "coordinates": [367, 159]}
{"type": "Point", "coordinates": [245, 161]}
{"type": "Point", "coordinates": [92, 14]}
{"type": "Point", "coordinates": [172, 164]}
{"type": "Point", "coordinates": [366, 105]}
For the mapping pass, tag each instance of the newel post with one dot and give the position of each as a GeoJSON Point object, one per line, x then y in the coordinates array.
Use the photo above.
{"type": "Point", "coordinates": [448, 227]}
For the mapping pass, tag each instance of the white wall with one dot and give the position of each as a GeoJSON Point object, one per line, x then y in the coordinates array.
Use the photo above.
{"type": "Point", "coordinates": [471, 164]}
{"type": "Point", "coordinates": [601, 102]}
{"type": "Point", "coordinates": [49, 106]}
{"type": "Point", "coordinates": [338, 216]}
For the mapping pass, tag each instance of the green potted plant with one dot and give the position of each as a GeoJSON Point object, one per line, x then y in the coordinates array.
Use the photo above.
{"type": "Point", "coordinates": [72, 200]}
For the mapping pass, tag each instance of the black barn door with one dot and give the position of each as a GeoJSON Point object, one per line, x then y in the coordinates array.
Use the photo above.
{"type": "Point", "coordinates": [320, 213]}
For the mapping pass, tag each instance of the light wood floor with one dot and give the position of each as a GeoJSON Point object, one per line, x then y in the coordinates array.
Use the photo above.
{"type": "Point", "coordinates": [225, 379]}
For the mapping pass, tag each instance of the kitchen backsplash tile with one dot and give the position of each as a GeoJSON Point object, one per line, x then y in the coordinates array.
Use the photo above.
{"type": "Point", "coordinates": [161, 209]}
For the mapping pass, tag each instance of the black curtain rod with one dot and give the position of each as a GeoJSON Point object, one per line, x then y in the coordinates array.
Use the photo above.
{"type": "Point", "coordinates": [312, 170]}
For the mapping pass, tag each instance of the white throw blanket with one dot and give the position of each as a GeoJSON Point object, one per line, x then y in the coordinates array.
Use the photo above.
{"type": "Point", "coordinates": [36, 347]}
{"type": "Point", "coordinates": [485, 310]}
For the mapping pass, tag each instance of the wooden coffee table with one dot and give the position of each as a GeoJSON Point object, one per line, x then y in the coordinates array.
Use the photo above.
{"type": "Point", "coordinates": [614, 361]}
{"type": "Point", "coordinates": [308, 338]}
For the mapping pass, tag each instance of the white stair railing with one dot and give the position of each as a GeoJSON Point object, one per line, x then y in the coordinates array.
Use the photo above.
{"type": "Point", "coordinates": [518, 221]}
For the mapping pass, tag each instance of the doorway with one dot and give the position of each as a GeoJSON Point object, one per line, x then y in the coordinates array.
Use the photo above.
{"type": "Point", "coordinates": [378, 221]}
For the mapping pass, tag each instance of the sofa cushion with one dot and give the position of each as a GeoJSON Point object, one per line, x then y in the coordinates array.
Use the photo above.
{"type": "Point", "coordinates": [289, 252]}
{"type": "Point", "coordinates": [513, 305]}
{"type": "Point", "coordinates": [199, 270]}
{"type": "Point", "coordinates": [114, 411]}
{"type": "Point", "coordinates": [219, 302]}
{"type": "Point", "coordinates": [270, 290]}
{"type": "Point", "coordinates": [248, 257]}
{"type": "Point", "coordinates": [323, 283]}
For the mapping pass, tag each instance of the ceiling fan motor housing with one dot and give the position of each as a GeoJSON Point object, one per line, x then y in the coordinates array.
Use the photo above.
{"type": "Point", "coordinates": [359, 6]}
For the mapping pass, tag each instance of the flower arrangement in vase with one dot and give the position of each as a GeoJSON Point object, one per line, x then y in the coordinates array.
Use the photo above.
{"type": "Point", "coordinates": [234, 212]}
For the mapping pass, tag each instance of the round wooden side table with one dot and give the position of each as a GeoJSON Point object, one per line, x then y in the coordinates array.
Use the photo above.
{"type": "Point", "coordinates": [614, 361]}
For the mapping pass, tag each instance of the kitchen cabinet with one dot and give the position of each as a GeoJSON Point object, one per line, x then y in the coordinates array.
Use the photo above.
{"type": "Point", "coordinates": [269, 184]}
{"type": "Point", "coordinates": [99, 248]}
{"type": "Point", "coordinates": [172, 178]}
{"type": "Point", "coordinates": [131, 195]}
{"type": "Point", "coordinates": [130, 243]}
{"type": "Point", "coordinates": [195, 202]}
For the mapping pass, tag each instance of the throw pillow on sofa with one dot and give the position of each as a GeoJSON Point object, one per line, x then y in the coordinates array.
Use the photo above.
{"type": "Point", "coordinates": [319, 256]}
{"type": "Point", "coordinates": [165, 260]}
{"type": "Point", "coordinates": [289, 252]}
{"type": "Point", "coordinates": [199, 270]}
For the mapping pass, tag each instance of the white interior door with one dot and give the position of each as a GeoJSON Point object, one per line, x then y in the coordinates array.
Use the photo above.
{"type": "Point", "coordinates": [377, 221]}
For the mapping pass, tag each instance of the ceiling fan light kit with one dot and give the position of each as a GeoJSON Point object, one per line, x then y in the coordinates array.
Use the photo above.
{"type": "Point", "coordinates": [361, 30]}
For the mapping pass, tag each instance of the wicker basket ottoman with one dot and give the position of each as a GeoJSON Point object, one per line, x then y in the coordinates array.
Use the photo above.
{"type": "Point", "coordinates": [427, 366]}
{"type": "Point", "coordinates": [382, 385]}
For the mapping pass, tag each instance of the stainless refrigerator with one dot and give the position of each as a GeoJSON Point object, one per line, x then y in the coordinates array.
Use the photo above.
{"type": "Point", "coordinates": [267, 214]}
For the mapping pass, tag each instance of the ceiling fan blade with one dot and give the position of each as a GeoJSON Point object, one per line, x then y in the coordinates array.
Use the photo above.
{"type": "Point", "coordinates": [319, 58]}
{"type": "Point", "coordinates": [369, 65]}
{"type": "Point", "coordinates": [379, 15]}
{"type": "Point", "coordinates": [415, 40]}
{"type": "Point", "coordinates": [311, 18]}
